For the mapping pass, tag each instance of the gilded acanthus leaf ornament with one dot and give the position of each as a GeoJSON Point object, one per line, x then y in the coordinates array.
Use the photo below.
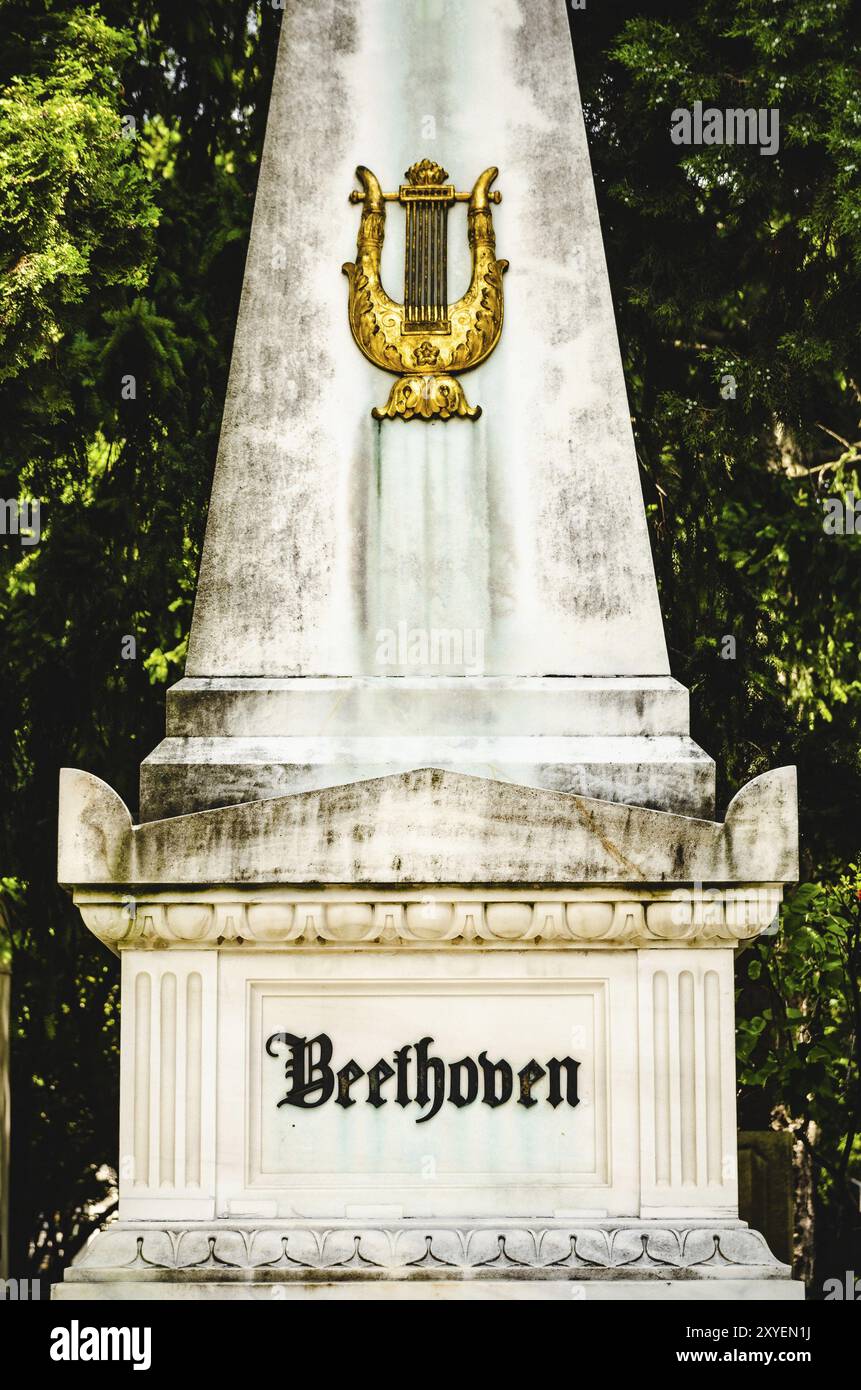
{"type": "Point", "coordinates": [425, 340]}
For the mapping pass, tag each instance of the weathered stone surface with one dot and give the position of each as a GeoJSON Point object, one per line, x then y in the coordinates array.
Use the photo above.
{"type": "Point", "coordinates": [429, 706]}
{"type": "Point", "coordinates": [307, 919]}
{"type": "Point", "coordinates": [509, 1289]}
{"type": "Point", "coordinates": [325, 526]}
{"type": "Point", "coordinates": [667, 774]}
{"type": "Point", "coordinates": [622, 739]}
{"type": "Point", "coordinates": [596, 1250]}
{"type": "Point", "coordinates": [519, 541]}
{"type": "Point", "coordinates": [429, 827]}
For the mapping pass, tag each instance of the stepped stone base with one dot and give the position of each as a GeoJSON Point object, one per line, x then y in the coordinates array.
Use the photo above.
{"type": "Point", "coordinates": [489, 1290]}
{"type": "Point", "coordinates": [722, 1260]}
{"type": "Point", "coordinates": [620, 739]}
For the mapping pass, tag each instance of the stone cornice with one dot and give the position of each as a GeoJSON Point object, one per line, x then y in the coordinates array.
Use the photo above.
{"type": "Point", "coordinates": [428, 826]}
{"type": "Point", "coordinates": [434, 919]}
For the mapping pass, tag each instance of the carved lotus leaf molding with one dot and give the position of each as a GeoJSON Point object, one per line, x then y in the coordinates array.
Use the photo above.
{"type": "Point", "coordinates": [444, 1251]}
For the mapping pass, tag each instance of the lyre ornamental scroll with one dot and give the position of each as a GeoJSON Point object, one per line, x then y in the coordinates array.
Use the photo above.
{"type": "Point", "coordinates": [425, 340]}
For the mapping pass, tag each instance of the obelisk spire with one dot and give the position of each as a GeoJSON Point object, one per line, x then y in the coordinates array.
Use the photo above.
{"type": "Point", "coordinates": [342, 548]}
{"type": "Point", "coordinates": [324, 525]}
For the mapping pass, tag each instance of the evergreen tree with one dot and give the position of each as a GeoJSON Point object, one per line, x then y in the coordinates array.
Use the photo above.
{"type": "Point", "coordinates": [129, 142]}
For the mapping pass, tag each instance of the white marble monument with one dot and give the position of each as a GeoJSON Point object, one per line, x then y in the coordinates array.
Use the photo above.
{"type": "Point", "coordinates": [426, 923]}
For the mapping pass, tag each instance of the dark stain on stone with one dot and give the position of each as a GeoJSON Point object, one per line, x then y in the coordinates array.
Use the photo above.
{"type": "Point", "coordinates": [344, 30]}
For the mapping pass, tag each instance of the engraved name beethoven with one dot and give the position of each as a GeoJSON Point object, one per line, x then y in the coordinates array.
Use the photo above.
{"type": "Point", "coordinates": [417, 1078]}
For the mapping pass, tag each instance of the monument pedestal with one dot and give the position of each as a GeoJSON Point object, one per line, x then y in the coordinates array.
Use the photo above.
{"type": "Point", "coordinates": [619, 738]}
{"type": "Point", "coordinates": [427, 926]}
{"type": "Point", "coordinates": [440, 1091]}
{"type": "Point", "coordinates": [714, 1261]}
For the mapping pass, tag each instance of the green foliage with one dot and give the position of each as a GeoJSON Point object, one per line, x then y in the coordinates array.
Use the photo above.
{"type": "Point", "coordinates": [725, 262]}
{"type": "Point", "coordinates": [75, 205]}
{"type": "Point", "coordinates": [121, 250]}
{"type": "Point", "coordinates": [800, 1028]}
{"type": "Point", "coordinates": [728, 263]}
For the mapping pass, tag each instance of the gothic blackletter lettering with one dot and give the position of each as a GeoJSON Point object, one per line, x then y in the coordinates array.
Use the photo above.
{"type": "Point", "coordinates": [528, 1076]}
{"type": "Point", "coordinates": [306, 1074]}
{"type": "Point", "coordinates": [498, 1081]}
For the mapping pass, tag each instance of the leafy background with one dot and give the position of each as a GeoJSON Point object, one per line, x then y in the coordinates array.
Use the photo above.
{"type": "Point", "coordinates": [121, 252]}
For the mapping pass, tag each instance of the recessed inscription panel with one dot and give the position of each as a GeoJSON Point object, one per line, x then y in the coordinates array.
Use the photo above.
{"type": "Point", "coordinates": [425, 1095]}
{"type": "Point", "coordinates": [440, 1098]}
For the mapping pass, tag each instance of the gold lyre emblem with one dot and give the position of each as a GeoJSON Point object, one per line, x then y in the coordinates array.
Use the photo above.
{"type": "Point", "coordinates": [426, 340]}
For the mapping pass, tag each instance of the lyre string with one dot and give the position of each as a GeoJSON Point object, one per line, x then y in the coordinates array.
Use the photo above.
{"type": "Point", "coordinates": [426, 263]}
